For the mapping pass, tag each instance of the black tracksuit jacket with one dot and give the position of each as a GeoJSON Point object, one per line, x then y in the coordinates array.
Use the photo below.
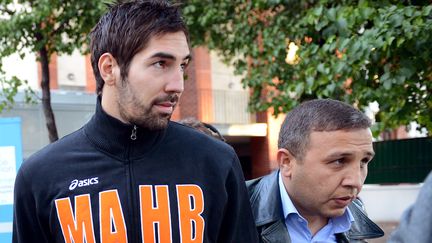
{"type": "Point", "coordinates": [99, 185]}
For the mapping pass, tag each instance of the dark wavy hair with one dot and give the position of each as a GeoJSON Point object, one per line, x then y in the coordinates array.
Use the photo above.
{"type": "Point", "coordinates": [127, 28]}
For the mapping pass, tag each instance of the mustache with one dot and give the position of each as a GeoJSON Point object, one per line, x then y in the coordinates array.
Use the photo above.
{"type": "Point", "coordinates": [172, 98]}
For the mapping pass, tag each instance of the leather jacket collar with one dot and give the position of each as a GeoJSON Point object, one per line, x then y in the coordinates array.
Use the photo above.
{"type": "Point", "coordinates": [269, 220]}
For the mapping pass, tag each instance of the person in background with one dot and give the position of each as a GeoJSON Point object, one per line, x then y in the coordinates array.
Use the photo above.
{"type": "Point", "coordinates": [416, 222]}
{"type": "Point", "coordinates": [324, 150]}
{"type": "Point", "coordinates": [202, 127]}
{"type": "Point", "coordinates": [130, 174]}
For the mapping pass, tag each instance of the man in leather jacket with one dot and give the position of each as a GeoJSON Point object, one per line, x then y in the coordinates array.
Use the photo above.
{"type": "Point", "coordinates": [324, 150]}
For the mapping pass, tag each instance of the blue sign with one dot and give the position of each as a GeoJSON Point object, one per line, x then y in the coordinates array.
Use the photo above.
{"type": "Point", "coordinates": [10, 161]}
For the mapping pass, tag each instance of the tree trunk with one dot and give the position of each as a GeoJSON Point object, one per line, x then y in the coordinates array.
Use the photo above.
{"type": "Point", "coordinates": [46, 96]}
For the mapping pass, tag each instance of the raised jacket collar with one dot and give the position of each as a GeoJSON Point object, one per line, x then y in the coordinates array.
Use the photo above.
{"type": "Point", "coordinates": [113, 137]}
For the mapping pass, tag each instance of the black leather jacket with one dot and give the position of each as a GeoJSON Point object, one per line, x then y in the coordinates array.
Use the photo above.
{"type": "Point", "coordinates": [267, 209]}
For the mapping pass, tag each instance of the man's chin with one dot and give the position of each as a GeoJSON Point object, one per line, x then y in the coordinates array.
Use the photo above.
{"type": "Point", "coordinates": [337, 212]}
{"type": "Point", "coordinates": [153, 123]}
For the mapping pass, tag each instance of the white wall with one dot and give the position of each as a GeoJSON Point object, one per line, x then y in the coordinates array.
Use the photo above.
{"type": "Point", "coordinates": [71, 69]}
{"type": "Point", "coordinates": [388, 202]}
{"type": "Point", "coordinates": [24, 69]}
{"type": "Point", "coordinates": [228, 90]}
{"type": "Point", "coordinates": [222, 75]}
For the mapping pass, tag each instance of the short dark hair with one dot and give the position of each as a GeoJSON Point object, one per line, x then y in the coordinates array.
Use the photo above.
{"type": "Point", "coordinates": [127, 28]}
{"type": "Point", "coordinates": [318, 115]}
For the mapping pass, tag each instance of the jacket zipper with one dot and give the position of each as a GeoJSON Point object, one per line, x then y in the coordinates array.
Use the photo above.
{"type": "Point", "coordinates": [134, 237]}
{"type": "Point", "coordinates": [134, 133]}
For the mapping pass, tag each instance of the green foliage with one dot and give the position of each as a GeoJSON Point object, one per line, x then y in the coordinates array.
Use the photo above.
{"type": "Point", "coordinates": [354, 51]}
{"type": "Point", "coordinates": [28, 26]}
{"type": "Point", "coordinates": [9, 88]}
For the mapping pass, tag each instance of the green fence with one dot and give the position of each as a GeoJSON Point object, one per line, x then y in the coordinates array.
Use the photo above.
{"type": "Point", "coordinates": [401, 161]}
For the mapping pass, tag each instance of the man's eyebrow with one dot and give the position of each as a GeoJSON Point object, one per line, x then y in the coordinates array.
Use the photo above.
{"type": "Point", "coordinates": [165, 55]}
{"type": "Point", "coordinates": [188, 58]}
{"type": "Point", "coordinates": [344, 154]}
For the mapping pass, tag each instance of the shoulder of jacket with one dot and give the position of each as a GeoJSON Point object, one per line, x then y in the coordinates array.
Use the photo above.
{"type": "Point", "coordinates": [269, 178]}
{"type": "Point", "coordinates": [53, 150]}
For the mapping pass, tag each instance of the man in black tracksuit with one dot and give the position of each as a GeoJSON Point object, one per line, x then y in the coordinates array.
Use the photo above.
{"type": "Point", "coordinates": [131, 175]}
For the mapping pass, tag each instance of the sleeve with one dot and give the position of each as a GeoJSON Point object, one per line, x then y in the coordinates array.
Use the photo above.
{"type": "Point", "coordinates": [26, 224]}
{"type": "Point", "coordinates": [238, 224]}
{"type": "Point", "coordinates": [416, 222]}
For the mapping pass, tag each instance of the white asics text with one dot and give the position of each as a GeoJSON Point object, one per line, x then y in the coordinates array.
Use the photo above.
{"type": "Point", "coordinates": [86, 182]}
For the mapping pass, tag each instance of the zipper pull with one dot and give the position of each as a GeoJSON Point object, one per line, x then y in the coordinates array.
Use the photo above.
{"type": "Point", "coordinates": [134, 133]}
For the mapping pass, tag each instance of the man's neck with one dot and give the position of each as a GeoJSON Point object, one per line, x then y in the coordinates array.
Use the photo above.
{"type": "Point", "coordinates": [109, 105]}
{"type": "Point", "coordinates": [315, 223]}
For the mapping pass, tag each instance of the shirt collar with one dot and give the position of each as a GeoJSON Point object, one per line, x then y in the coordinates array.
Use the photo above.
{"type": "Point", "coordinates": [287, 205]}
{"type": "Point", "coordinates": [341, 223]}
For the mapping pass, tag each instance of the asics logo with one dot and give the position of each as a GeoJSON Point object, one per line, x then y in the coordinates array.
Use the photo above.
{"type": "Point", "coordinates": [86, 182]}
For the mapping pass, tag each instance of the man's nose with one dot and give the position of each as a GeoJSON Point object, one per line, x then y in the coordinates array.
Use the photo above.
{"type": "Point", "coordinates": [176, 82]}
{"type": "Point", "coordinates": [354, 176]}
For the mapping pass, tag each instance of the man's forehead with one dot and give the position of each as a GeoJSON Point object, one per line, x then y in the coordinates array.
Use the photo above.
{"type": "Point", "coordinates": [179, 36]}
{"type": "Point", "coordinates": [168, 44]}
{"type": "Point", "coordinates": [357, 137]}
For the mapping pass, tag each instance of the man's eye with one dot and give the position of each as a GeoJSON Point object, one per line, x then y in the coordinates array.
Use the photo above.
{"type": "Point", "coordinates": [159, 64]}
{"type": "Point", "coordinates": [183, 66]}
{"type": "Point", "coordinates": [364, 162]}
{"type": "Point", "coordinates": [339, 161]}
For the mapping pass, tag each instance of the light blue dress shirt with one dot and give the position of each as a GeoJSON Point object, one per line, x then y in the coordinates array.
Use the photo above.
{"type": "Point", "coordinates": [298, 227]}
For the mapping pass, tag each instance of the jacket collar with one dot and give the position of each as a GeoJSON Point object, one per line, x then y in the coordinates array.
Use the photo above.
{"type": "Point", "coordinates": [266, 193]}
{"type": "Point", "coordinates": [114, 137]}
{"type": "Point", "coordinates": [363, 227]}
{"type": "Point", "coordinates": [267, 208]}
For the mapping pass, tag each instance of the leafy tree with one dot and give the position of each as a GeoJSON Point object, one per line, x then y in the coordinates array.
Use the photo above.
{"type": "Point", "coordinates": [43, 27]}
{"type": "Point", "coordinates": [356, 51]}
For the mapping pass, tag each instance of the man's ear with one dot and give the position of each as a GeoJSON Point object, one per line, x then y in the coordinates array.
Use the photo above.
{"type": "Point", "coordinates": [286, 161]}
{"type": "Point", "coordinates": [107, 68]}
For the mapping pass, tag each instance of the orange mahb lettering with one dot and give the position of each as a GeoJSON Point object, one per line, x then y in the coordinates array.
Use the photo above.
{"type": "Point", "coordinates": [191, 206]}
{"type": "Point", "coordinates": [112, 223]}
{"type": "Point", "coordinates": [78, 228]}
{"type": "Point", "coordinates": [155, 210]}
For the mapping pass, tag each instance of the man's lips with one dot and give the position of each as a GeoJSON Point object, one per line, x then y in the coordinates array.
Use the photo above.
{"type": "Point", "coordinates": [344, 201]}
{"type": "Point", "coordinates": [166, 103]}
{"type": "Point", "coordinates": [165, 107]}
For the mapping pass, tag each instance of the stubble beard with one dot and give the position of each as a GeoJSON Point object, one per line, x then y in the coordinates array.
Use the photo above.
{"type": "Point", "coordinates": [151, 121]}
{"type": "Point", "coordinates": [142, 115]}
